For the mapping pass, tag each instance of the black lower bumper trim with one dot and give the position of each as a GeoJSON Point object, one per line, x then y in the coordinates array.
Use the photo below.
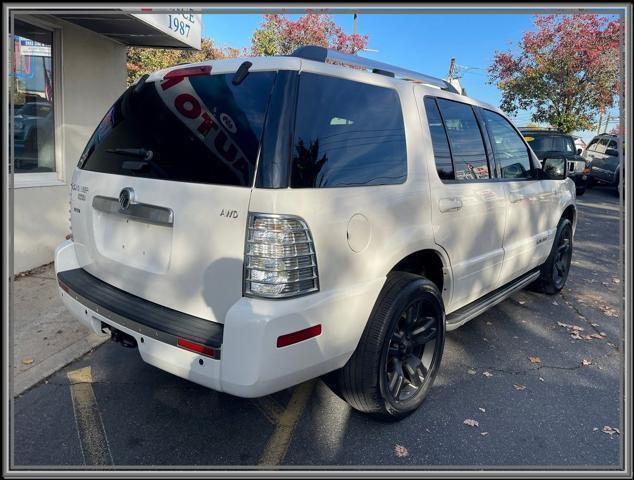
{"type": "Point", "coordinates": [139, 314]}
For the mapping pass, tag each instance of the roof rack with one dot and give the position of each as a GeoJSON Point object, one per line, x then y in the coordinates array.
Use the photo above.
{"type": "Point", "coordinates": [322, 54]}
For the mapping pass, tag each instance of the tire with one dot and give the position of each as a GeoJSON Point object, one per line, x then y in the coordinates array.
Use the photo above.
{"type": "Point", "coordinates": [398, 356]}
{"type": "Point", "coordinates": [554, 272]}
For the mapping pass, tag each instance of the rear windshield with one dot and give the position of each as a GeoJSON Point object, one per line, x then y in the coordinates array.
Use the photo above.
{"type": "Point", "coordinates": [542, 143]}
{"type": "Point", "coordinates": [347, 134]}
{"type": "Point", "coordinates": [199, 129]}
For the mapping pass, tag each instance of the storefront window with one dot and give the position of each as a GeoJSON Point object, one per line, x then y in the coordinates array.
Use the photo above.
{"type": "Point", "coordinates": [33, 114]}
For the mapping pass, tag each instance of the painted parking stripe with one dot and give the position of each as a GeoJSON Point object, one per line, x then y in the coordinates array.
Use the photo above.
{"type": "Point", "coordinates": [269, 407]}
{"type": "Point", "coordinates": [92, 435]}
{"type": "Point", "coordinates": [280, 439]}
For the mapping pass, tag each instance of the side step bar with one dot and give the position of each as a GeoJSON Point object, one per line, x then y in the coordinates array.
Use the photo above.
{"type": "Point", "coordinates": [468, 312]}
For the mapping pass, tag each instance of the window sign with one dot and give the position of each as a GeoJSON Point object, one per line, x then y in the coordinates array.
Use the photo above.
{"type": "Point", "coordinates": [33, 109]}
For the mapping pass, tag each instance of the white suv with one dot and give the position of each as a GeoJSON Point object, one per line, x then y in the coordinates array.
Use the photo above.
{"type": "Point", "coordinates": [250, 224]}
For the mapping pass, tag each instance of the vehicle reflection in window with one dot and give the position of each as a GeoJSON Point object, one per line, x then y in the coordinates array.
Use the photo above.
{"type": "Point", "coordinates": [33, 109]}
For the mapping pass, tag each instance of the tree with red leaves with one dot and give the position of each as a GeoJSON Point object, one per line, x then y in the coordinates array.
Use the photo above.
{"type": "Point", "coordinates": [280, 36]}
{"type": "Point", "coordinates": [567, 71]}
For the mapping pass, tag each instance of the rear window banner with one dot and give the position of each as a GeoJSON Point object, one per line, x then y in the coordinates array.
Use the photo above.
{"type": "Point", "coordinates": [183, 101]}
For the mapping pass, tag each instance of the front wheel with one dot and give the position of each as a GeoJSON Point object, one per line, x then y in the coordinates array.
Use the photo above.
{"type": "Point", "coordinates": [398, 356]}
{"type": "Point", "coordinates": [554, 272]}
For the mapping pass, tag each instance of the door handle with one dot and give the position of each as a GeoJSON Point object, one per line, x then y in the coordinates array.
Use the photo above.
{"type": "Point", "coordinates": [449, 204]}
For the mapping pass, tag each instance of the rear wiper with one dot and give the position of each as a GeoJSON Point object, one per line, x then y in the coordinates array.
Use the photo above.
{"type": "Point", "coordinates": [133, 152]}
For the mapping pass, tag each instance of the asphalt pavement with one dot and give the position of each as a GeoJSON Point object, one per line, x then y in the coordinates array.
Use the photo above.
{"type": "Point", "coordinates": [537, 379]}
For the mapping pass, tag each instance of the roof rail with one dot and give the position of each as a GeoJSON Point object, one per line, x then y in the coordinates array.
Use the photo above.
{"type": "Point", "coordinates": [322, 54]}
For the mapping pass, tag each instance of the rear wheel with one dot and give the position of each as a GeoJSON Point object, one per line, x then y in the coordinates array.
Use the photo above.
{"type": "Point", "coordinates": [399, 353]}
{"type": "Point", "coordinates": [554, 271]}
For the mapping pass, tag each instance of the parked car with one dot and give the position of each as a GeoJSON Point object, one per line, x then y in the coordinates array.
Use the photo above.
{"type": "Point", "coordinates": [548, 142]}
{"type": "Point", "coordinates": [579, 144]}
{"type": "Point", "coordinates": [28, 120]}
{"type": "Point", "coordinates": [250, 224]}
{"type": "Point", "coordinates": [604, 155]}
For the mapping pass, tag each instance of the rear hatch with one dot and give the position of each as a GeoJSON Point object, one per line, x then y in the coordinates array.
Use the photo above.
{"type": "Point", "coordinates": [160, 199]}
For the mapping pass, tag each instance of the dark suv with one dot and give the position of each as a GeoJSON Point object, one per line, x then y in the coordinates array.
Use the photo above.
{"type": "Point", "coordinates": [553, 144]}
{"type": "Point", "coordinates": [604, 154]}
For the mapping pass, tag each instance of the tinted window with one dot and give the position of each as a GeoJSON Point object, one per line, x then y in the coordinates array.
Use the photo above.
{"type": "Point", "coordinates": [509, 150]}
{"type": "Point", "coordinates": [198, 129]}
{"type": "Point", "coordinates": [467, 148]}
{"type": "Point", "coordinates": [543, 142]}
{"type": "Point", "coordinates": [347, 134]}
{"type": "Point", "coordinates": [442, 155]}
{"type": "Point", "coordinates": [612, 144]}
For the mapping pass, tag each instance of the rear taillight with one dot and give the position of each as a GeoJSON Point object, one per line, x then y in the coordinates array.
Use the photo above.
{"type": "Point", "coordinates": [279, 260]}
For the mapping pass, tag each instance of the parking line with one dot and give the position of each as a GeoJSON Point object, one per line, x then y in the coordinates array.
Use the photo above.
{"type": "Point", "coordinates": [92, 435]}
{"type": "Point", "coordinates": [269, 407]}
{"type": "Point", "coordinates": [277, 445]}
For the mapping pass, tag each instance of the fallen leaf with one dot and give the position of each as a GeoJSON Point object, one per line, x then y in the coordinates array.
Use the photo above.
{"type": "Point", "coordinates": [489, 323]}
{"type": "Point", "coordinates": [585, 362]}
{"type": "Point", "coordinates": [595, 429]}
{"type": "Point", "coordinates": [595, 324]}
{"type": "Point", "coordinates": [596, 335]}
{"type": "Point", "coordinates": [535, 359]}
{"type": "Point", "coordinates": [487, 374]}
{"type": "Point", "coordinates": [471, 371]}
{"type": "Point", "coordinates": [484, 433]}
{"type": "Point", "coordinates": [616, 280]}
{"type": "Point", "coordinates": [576, 328]}
{"type": "Point", "coordinates": [541, 379]}
{"type": "Point", "coordinates": [603, 334]}
{"type": "Point", "coordinates": [471, 422]}
{"type": "Point", "coordinates": [555, 303]}
{"type": "Point", "coordinates": [565, 325]}
{"type": "Point", "coordinates": [482, 409]}
{"type": "Point", "coordinates": [521, 302]}
{"type": "Point", "coordinates": [27, 360]}
{"type": "Point", "coordinates": [611, 430]}
{"type": "Point", "coordinates": [519, 386]}
{"type": "Point", "coordinates": [400, 451]}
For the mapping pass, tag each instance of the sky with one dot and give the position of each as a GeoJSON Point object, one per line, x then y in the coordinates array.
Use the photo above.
{"type": "Point", "coordinates": [422, 42]}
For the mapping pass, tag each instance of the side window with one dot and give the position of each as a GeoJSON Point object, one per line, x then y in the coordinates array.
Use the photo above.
{"type": "Point", "coordinates": [612, 144]}
{"type": "Point", "coordinates": [439, 141]}
{"type": "Point", "coordinates": [465, 139]}
{"type": "Point", "coordinates": [347, 134]}
{"type": "Point", "coordinates": [508, 148]}
{"type": "Point", "coordinates": [602, 145]}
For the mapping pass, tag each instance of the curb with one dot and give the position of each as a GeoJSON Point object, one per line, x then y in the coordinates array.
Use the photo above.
{"type": "Point", "coordinates": [46, 368]}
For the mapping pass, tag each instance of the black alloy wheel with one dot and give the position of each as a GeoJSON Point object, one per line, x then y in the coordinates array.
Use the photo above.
{"type": "Point", "coordinates": [410, 353]}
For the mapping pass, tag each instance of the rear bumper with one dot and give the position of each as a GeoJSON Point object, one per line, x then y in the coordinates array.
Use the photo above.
{"type": "Point", "coordinates": [249, 364]}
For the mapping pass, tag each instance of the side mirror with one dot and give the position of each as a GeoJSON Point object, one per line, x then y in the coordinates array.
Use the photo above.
{"type": "Point", "coordinates": [555, 168]}
{"type": "Point", "coordinates": [612, 152]}
{"type": "Point", "coordinates": [579, 151]}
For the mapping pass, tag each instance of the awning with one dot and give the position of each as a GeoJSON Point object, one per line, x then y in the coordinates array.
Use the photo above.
{"type": "Point", "coordinates": [142, 29]}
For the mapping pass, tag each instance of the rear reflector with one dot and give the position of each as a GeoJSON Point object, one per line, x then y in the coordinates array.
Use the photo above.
{"type": "Point", "coordinates": [195, 347]}
{"type": "Point", "coordinates": [298, 336]}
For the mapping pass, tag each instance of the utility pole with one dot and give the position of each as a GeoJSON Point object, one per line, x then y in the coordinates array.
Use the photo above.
{"type": "Point", "coordinates": [607, 122]}
{"type": "Point", "coordinates": [354, 24]}
{"type": "Point", "coordinates": [452, 69]}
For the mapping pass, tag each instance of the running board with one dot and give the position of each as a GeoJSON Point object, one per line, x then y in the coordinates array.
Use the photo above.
{"type": "Point", "coordinates": [468, 312]}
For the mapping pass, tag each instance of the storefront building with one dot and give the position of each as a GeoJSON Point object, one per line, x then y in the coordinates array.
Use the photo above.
{"type": "Point", "coordinates": [68, 69]}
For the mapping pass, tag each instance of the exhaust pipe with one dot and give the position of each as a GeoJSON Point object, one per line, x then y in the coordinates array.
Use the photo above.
{"type": "Point", "coordinates": [118, 336]}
